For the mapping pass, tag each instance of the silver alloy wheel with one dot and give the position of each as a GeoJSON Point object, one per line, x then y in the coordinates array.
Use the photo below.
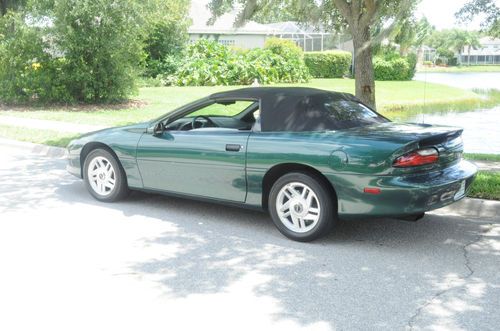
{"type": "Point", "coordinates": [101, 175]}
{"type": "Point", "coordinates": [298, 207]}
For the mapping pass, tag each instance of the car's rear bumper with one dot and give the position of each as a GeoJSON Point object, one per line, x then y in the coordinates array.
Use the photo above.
{"type": "Point", "coordinates": [404, 195]}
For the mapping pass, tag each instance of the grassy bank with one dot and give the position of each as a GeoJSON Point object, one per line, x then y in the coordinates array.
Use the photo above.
{"type": "Point", "coordinates": [486, 186]}
{"type": "Point", "coordinates": [397, 100]}
{"type": "Point", "coordinates": [482, 157]}
{"type": "Point", "coordinates": [46, 137]}
{"type": "Point", "coordinates": [463, 68]}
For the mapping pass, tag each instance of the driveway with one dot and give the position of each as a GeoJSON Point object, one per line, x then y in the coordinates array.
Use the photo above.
{"type": "Point", "coordinates": [68, 262]}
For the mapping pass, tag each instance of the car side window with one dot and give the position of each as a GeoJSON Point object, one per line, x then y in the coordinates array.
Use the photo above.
{"type": "Point", "coordinates": [227, 109]}
{"type": "Point", "coordinates": [224, 114]}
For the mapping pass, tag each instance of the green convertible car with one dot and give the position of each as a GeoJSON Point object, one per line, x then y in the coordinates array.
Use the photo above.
{"type": "Point", "coordinates": [308, 156]}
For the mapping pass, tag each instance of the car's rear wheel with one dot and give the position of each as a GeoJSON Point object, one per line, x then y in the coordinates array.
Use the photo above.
{"type": "Point", "coordinates": [301, 206]}
{"type": "Point", "coordinates": [104, 177]}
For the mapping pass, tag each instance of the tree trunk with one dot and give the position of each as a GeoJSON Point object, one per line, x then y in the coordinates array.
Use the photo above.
{"type": "Point", "coordinates": [3, 7]}
{"type": "Point", "coordinates": [468, 56]}
{"type": "Point", "coordinates": [363, 66]}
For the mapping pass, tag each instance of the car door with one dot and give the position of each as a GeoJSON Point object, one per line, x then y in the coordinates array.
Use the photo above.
{"type": "Point", "coordinates": [201, 162]}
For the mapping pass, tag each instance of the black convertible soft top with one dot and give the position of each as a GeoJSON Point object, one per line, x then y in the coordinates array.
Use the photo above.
{"type": "Point", "coordinates": [289, 108]}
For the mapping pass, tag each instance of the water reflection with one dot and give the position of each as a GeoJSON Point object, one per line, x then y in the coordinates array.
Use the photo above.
{"type": "Point", "coordinates": [481, 128]}
{"type": "Point", "coordinates": [465, 80]}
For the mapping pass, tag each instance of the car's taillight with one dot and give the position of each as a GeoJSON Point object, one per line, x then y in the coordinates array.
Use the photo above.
{"type": "Point", "coordinates": [417, 158]}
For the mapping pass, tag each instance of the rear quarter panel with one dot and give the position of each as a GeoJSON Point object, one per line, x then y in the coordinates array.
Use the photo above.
{"type": "Point", "coordinates": [343, 161]}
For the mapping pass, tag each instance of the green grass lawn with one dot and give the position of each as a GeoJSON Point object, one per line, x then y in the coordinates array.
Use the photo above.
{"type": "Point", "coordinates": [464, 68]}
{"type": "Point", "coordinates": [394, 99]}
{"type": "Point", "coordinates": [46, 137]}
{"type": "Point", "coordinates": [486, 186]}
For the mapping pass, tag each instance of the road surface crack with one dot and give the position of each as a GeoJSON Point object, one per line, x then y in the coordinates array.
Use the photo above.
{"type": "Point", "coordinates": [470, 272]}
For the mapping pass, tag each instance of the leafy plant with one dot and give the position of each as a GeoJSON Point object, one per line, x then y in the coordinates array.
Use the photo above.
{"type": "Point", "coordinates": [100, 41]}
{"type": "Point", "coordinates": [330, 64]}
{"type": "Point", "coordinates": [28, 72]}
{"type": "Point", "coordinates": [166, 35]}
{"type": "Point", "coordinates": [208, 63]}
{"type": "Point", "coordinates": [390, 65]}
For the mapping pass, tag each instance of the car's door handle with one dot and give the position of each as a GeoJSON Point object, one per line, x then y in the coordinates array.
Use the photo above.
{"type": "Point", "coordinates": [233, 147]}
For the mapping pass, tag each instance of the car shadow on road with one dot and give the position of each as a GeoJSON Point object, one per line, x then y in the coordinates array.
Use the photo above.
{"type": "Point", "coordinates": [349, 279]}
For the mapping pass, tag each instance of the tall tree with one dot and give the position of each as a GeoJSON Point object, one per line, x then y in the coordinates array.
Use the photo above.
{"type": "Point", "coordinates": [356, 16]}
{"type": "Point", "coordinates": [488, 10]}
{"type": "Point", "coordinates": [472, 41]}
{"type": "Point", "coordinates": [412, 33]}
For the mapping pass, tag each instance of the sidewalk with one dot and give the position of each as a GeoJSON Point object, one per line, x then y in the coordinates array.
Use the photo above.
{"type": "Point", "coordinates": [49, 125]}
{"type": "Point", "coordinates": [487, 165]}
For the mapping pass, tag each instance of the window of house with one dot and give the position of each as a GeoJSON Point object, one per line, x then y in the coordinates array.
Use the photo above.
{"type": "Point", "coordinates": [227, 42]}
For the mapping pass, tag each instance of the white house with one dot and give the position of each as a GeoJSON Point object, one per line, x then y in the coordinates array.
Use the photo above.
{"type": "Point", "coordinates": [253, 34]}
{"type": "Point", "coordinates": [488, 53]}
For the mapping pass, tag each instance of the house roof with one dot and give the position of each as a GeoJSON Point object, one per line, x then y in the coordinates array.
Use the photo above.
{"type": "Point", "coordinates": [489, 41]}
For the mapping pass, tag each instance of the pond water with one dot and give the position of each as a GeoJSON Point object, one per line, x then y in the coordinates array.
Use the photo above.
{"type": "Point", "coordinates": [481, 126]}
{"type": "Point", "coordinates": [465, 80]}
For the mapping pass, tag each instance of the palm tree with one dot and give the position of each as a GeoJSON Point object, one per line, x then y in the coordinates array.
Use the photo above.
{"type": "Point", "coordinates": [472, 42]}
{"type": "Point", "coordinates": [458, 41]}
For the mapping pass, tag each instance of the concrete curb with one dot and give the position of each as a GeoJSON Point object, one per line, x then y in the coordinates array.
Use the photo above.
{"type": "Point", "coordinates": [36, 149]}
{"type": "Point", "coordinates": [487, 165]}
{"type": "Point", "coordinates": [472, 207]}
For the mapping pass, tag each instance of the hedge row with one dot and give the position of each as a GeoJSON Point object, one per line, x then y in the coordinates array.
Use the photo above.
{"type": "Point", "coordinates": [395, 67]}
{"type": "Point", "coordinates": [329, 64]}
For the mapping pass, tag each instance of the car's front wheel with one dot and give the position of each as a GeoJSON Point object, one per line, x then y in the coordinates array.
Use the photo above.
{"type": "Point", "coordinates": [301, 206]}
{"type": "Point", "coordinates": [104, 176]}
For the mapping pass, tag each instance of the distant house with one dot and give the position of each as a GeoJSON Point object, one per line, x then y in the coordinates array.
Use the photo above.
{"type": "Point", "coordinates": [253, 34]}
{"type": "Point", "coordinates": [488, 53]}
{"type": "Point", "coordinates": [428, 53]}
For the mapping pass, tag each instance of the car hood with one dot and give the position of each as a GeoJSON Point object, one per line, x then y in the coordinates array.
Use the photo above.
{"type": "Point", "coordinates": [138, 127]}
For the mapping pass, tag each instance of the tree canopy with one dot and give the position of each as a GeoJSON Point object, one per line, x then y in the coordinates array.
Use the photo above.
{"type": "Point", "coordinates": [84, 50]}
{"type": "Point", "coordinates": [488, 10]}
{"type": "Point", "coordinates": [358, 17]}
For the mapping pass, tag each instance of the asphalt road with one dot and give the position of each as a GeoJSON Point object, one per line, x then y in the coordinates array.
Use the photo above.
{"type": "Point", "coordinates": [68, 262]}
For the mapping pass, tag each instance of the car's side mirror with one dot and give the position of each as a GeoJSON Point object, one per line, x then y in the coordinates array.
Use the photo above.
{"type": "Point", "coordinates": [158, 129]}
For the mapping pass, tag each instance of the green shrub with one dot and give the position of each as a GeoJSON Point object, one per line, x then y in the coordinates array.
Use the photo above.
{"type": "Point", "coordinates": [165, 40]}
{"type": "Point", "coordinates": [428, 63]}
{"type": "Point", "coordinates": [412, 65]}
{"type": "Point", "coordinates": [91, 53]}
{"type": "Point", "coordinates": [394, 67]}
{"type": "Point", "coordinates": [101, 44]}
{"type": "Point", "coordinates": [27, 72]}
{"type": "Point", "coordinates": [207, 63]}
{"type": "Point", "coordinates": [330, 64]}
{"type": "Point", "coordinates": [290, 60]}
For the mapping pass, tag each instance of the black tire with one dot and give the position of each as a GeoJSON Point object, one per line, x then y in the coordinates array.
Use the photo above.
{"type": "Point", "coordinates": [327, 207]}
{"type": "Point", "coordinates": [120, 189]}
